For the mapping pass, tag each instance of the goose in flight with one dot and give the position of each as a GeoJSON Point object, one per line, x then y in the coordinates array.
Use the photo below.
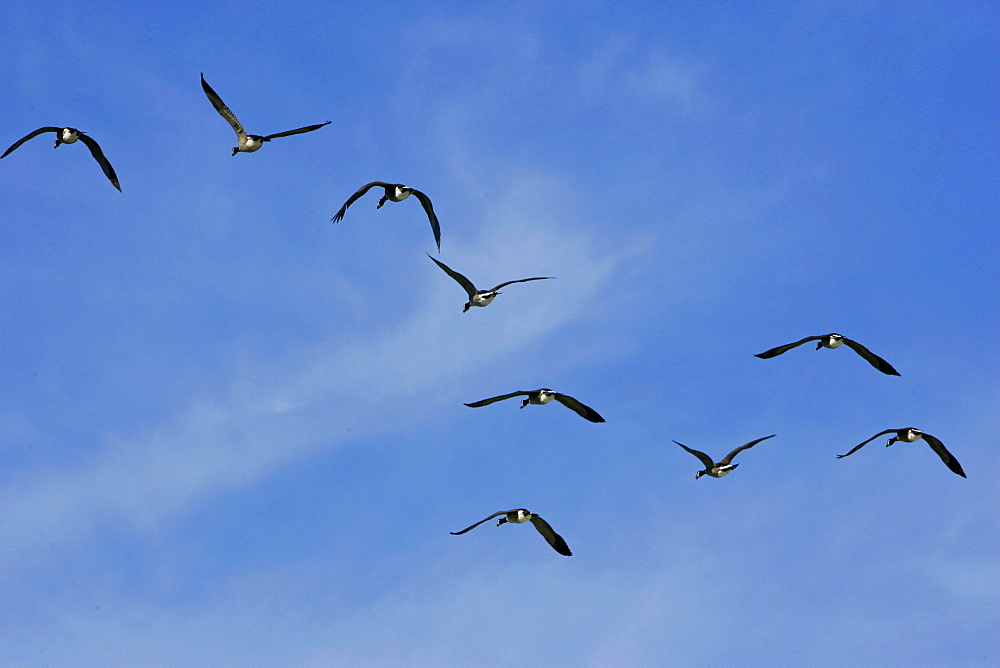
{"type": "Point", "coordinates": [395, 192]}
{"type": "Point", "coordinates": [519, 516]}
{"type": "Point", "coordinates": [723, 467]}
{"type": "Point", "coordinates": [834, 341]}
{"type": "Point", "coordinates": [544, 396]}
{"type": "Point", "coordinates": [480, 297]}
{"type": "Point", "coordinates": [909, 435]}
{"type": "Point", "coordinates": [69, 136]}
{"type": "Point", "coordinates": [247, 143]}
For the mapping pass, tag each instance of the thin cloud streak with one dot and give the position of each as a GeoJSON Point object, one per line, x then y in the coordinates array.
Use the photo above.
{"type": "Point", "coordinates": [434, 617]}
{"type": "Point", "coordinates": [266, 422]}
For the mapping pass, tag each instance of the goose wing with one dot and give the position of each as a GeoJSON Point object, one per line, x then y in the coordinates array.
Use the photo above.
{"type": "Point", "coordinates": [554, 539]}
{"type": "Point", "coordinates": [27, 137]}
{"type": "Point", "coordinates": [774, 352]}
{"type": "Point", "coordinates": [491, 400]}
{"type": "Point", "coordinates": [522, 280]}
{"type": "Point", "coordinates": [462, 280]}
{"type": "Point", "coordinates": [431, 216]}
{"type": "Point", "coordinates": [729, 458]}
{"type": "Point", "coordinates": [863, 443]}
{"type": "Point", "coordinates": [872, 358]}
{"type": "Point", "coordinates": [221, 107]}
{"type": "Point", "coordinates": [948, 458]}
{"type": "Point", "coordinates": [95, 150]}
{"type": "Point", "coordinates": [583, 410]}
{"type": "Point", "coordinates": [496, 514]}
{"type": "Point", "coordinates": [353, 198]}
{"type": "Point", "coordinates": [705, 459]}
{"type": "Point", "coordinates": [286, 133]}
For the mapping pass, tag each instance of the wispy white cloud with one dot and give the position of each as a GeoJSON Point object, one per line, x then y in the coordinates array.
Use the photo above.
{"type": "Point", "coordinates": [324, 395]}
{"type": "Point", "coordinates": [679, 233]}
{"type": "Point", "coordinates": [623, 70]}
{"type": "Point", "coordinates": [445, 615]}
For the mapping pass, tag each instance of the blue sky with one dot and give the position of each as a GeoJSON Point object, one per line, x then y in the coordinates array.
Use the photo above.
{"type": "Point", "coordinates": [233, 433]}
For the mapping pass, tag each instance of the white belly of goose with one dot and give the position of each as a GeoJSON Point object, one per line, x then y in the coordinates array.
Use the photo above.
{"type": "Point", "coordinates": [483, 298]}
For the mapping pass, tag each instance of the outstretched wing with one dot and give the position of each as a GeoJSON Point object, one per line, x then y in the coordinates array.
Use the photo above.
{"type": "Point", "coordinates": [286, 133]}
{"type": "Point", "coordinates": [554, 539]}
{"type": "Point", "coordinates": [429, 208]}
{"type": "Point", "coordinates": [729, 458]}
{"type": "Point", "coordinates": [353, 198]}
{"type": "Point", "coordinates": [95, 150]}
{"type": "Point", "coordinates": [27, 137]}
{"type": "Point", "coordinates": [221, 107]}
{"type": "Point", "coordinates": [948, 458]}
{"type": "Point", "coordinates": [459, 533]}
{"type": "Point", "coordinates": [462, 280]}
{"type": "Point", "coordinates": [774, 352]}
{"type": "Point", "coordinates": [705, 459]}
{"type": "Point", "coordinates": [583, 410]}
{"type": "Point", "coordinates": [862, 444]}
{"type": "Point", "coordinates": [491, 400]}
{"type": "Point", "coordinates": [522, 280]}
{"type": "Point", "coordinates": [872, 358]}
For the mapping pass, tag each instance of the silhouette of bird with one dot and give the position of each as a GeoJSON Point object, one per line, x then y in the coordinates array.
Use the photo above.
{"type": "Point", "coordinates": [69, 136]}
{"type": "Point", "coordinates": [544, 396]}
{"type": "Point", "coordinates": [724, 466]}
{"type": "Point", "coordinates": [519, 516]}
{"type": "Point", "coordinates": [247, 143]}
{"type": "Point", "coordinates": [395, 192]}
{"type": "Point", "coordinates": [909, 435]}
{"type": "Point", "coordinates": [834, 341]}
{"type": "Point", "coordinates": [480, 297]}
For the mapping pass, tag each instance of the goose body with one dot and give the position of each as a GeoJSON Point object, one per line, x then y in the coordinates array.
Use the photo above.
{"type": "Point", "coordinates": [520, 516]}
{"type": "Point", "coordinates": [480, 297]}
{"type": "Point", "coordinates": [909, 435]}
{"type": "Point", "coordinates": [395, 192]}
{"type": "Point", "coordinates": [834, 341]}
{"type": "Point", "coordinates": [541, 397]}
{"type": "Point", "coordinates": [723, 467]}
{"type": "Point", "coordinates": [247, 143]}
{"type": "Point", "coordinates": [70, 136]}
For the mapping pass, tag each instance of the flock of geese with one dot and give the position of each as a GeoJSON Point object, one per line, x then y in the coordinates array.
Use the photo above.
{"type": "Point", "coordinates": [397, 192]}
